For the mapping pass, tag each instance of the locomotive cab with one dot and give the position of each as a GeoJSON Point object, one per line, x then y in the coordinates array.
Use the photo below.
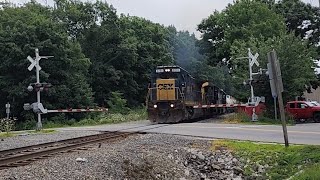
{"type": "Point", "coordinates": [168, 94]}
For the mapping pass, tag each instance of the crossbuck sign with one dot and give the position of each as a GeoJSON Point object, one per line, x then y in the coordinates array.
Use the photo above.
{"type": "Point", "coordinates": [253, 58]}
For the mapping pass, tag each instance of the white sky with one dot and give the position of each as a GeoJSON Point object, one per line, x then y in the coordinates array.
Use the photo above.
{"type": "Point", "coordinates": [183, 14]}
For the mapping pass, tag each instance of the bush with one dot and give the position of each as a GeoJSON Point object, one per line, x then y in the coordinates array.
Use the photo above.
{"type": "Point", "coordinates": [7, 124]}
{"type": "Point", "coordinates": [117, 104]}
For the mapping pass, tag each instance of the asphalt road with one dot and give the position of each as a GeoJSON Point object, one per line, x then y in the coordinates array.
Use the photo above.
{"type": "Point", "coordinates": [298, 134]}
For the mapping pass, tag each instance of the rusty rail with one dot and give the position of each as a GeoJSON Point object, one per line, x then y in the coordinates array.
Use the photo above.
{"type": "Point", "coordinates": [25, 155]}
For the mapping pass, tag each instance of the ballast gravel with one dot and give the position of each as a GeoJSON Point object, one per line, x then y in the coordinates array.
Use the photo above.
{"type": "Point", "coordinates": [29, 139]}
{"type": "Point", "coordinates": [148, 156]}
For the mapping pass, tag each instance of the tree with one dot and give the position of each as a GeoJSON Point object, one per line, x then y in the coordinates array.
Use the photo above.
{"type": "Point", "coordinates": [301, 18]}
{"type": "Point", "coordinates": [296, 61]}
{"type": "Point", "coordinates": [22, 29]}
{"type": "Point", "coordinates": [242, 20]}
{"type": "Point", "coordinates": [123, 50]}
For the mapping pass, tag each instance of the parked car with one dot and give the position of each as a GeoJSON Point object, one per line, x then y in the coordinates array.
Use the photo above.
{"type": "Point", "coordinates": [304, 110]}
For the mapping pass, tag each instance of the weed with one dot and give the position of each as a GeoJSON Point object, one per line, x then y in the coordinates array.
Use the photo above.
{"type": "Point", "coordinates": [7, 124]}
{"type": "Point", "coordinates": [281, 162]}
{"type": "Point", "coordinates": [310, 173]}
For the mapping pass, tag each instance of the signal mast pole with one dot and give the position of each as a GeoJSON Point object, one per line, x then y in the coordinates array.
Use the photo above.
{"type": "Point", "coordinates": [35, 63]}
{"type": "Point", "coordinates": [39, 124]}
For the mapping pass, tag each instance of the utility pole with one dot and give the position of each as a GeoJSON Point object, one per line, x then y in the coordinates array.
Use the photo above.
{"type": "Point", "coordinates": [277, 87]}
{"type": "Point", "coordinates": [35, 63]}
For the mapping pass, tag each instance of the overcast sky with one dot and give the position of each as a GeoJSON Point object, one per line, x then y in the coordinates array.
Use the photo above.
{"type": "Point", "coordinates": [183, 14]}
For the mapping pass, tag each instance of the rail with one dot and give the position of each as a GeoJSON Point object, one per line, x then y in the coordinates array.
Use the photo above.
{"type": "Point", "coordinates": [25, 155]}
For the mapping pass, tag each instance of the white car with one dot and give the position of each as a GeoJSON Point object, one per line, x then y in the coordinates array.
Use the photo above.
{"type": "Point", "coordinates": [315, 103]}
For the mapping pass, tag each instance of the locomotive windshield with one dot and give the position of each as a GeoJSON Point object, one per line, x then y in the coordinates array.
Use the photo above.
{"type": "Point", "coordinates": [169, 72]}
{"type": "Point", "coordinates": [167, 75]}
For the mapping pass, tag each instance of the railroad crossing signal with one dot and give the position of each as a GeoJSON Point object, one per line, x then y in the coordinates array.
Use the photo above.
{"type": "Point", "coordinates": [253, 58]}
{"type": "Point", "coordinates": [37, 107]}
{"type": "Point", "coordinates": [35, 61]}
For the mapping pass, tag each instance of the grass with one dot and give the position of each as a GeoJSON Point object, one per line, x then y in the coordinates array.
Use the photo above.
{"type": "Point", "coordinates": [310, 173]}
{"type": "Point", "coordinates": [283, 162]}
{"type": "Point", "coordinates": [133, 115]}
{"type": "Point", "coordinates": [15, 133]}
{"type": "Point", "coordinates": [43, 131]}
{"type": "Point", "coordinates": [243, 118]}
{"type": "Point", "coordinates": [5, 134]}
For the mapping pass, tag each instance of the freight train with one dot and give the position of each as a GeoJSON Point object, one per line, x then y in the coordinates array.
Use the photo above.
{"type": "Point", "coordinates": [174, 96]}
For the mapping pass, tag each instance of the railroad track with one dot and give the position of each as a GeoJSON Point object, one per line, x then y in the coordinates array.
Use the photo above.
{"type": "Point", "coordinates": [25, 155]}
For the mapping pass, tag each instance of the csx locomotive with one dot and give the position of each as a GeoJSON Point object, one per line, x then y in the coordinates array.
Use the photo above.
{"type": "Point", "coordinates": [173, 93]}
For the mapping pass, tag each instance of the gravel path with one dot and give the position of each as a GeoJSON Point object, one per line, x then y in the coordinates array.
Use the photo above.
{"type": "Point", "coordinates": [32, 138]}
{"type": "Point", "coordinates": [150, 156]}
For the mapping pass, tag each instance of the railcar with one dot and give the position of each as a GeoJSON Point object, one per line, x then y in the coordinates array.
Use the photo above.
{"type": "Point", "coordinates": [173, 95]}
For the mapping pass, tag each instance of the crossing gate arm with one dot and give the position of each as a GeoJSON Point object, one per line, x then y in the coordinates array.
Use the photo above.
{"type": "Point", "coordinates": [78, 110]}
{"type": "Point", "coordinates": [219, 106]}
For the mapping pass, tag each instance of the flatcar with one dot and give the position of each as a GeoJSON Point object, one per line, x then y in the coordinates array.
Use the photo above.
{"type": "Point", "coordinates": [173, 93]}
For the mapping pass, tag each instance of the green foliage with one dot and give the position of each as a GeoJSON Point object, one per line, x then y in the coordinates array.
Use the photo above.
{"type": "Point", "coordinates": [28, 123]}
{"type": "Point", "coordinates": [7, 124]}
{"type": "Point", "coordinates": [296, 61]}
{"type": "Point", "coordinates": [131, 115]}
{"type": "Point", "coordinates": [219, 75]}
{"type": "Point", "coordinates": [43, 131]}
{"type": "Point", "coordinates": [21, 30]}
{"type": "Point", "coordinates": [261, 25]}
{"type": "Point", "coordinates": [123, 51]}
{"type": "Point", "coordinates": [310, 173]}
{"type": "Point", "coordinates": [282, 162]}
{"type": "Point", "coordinates": [301, 18]}
{"type": "Point", "coordinates": [5, 135]}
{"type": "Point", "coordinates": [240, 21]}
{"type": "Point", "coordinates": [263, 119]}
{"type": "Point", "coordinates": [117, 104]}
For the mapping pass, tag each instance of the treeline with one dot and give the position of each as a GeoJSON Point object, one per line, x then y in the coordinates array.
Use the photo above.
{"type": "Point", "coordinates": [100, 56]}
{"type": "Point", "coordinates": [97, 54]}
{"type": "Point", "coordinates": [290, 27]}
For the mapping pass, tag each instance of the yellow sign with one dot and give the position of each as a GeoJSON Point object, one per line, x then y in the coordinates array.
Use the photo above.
{"type": "Point", "coordinates": [166, 89]}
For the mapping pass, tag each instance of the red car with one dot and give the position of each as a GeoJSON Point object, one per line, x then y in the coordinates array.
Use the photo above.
{"type": "Point", "coordinates": [303, 110]}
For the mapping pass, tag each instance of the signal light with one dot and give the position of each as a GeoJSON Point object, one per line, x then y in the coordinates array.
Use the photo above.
{"type": "Point", "coordinates": [39, 87]}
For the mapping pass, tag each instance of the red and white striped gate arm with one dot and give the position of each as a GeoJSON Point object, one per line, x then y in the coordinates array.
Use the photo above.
{"type": "Point", "coordinates": [218, 105]}
{"type": "Point", "coordinates": [78, 110]}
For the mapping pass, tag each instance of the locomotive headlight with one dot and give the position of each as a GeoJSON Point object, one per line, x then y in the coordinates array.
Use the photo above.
{"type": "Point", "coordinates": [155, 106]}
{"type": "Point", "coordinates": [172, 105]}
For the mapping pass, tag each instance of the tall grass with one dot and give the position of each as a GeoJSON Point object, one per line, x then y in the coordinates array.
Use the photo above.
{"type": "Point", "coordinates": [107, 118]}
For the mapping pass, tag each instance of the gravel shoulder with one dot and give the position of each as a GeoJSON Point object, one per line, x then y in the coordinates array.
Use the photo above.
{"type": "Point", "coordinates": [150, 156]}
{"type": "Point", "coordinates": [28, 139]}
